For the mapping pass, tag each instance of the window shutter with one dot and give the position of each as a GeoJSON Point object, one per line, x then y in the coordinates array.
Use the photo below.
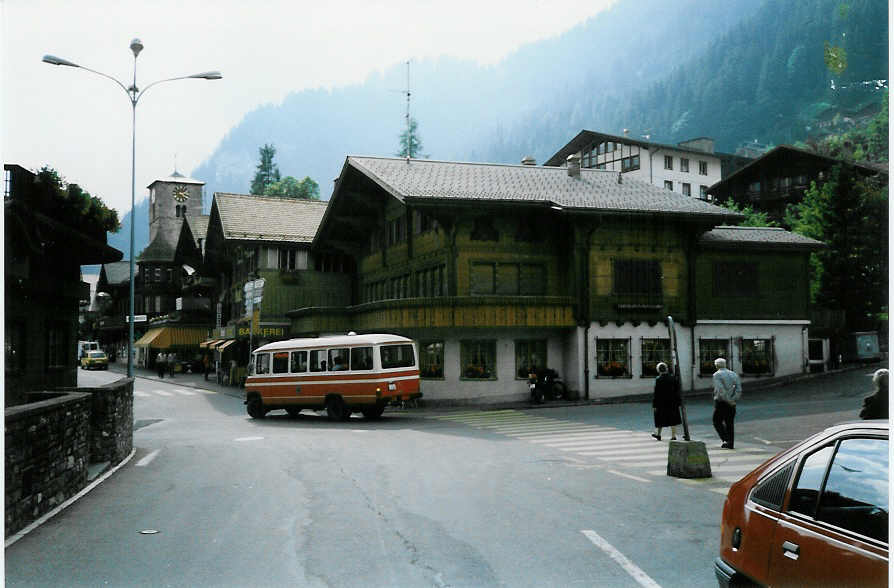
{"type": "Point", "coordinates": [629, 356]}
{"type": "Point", "coordinates": [596, 351]}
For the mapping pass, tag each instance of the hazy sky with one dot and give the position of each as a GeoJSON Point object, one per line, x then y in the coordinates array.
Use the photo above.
{"type": "Point", "coordinates": [80, 123]}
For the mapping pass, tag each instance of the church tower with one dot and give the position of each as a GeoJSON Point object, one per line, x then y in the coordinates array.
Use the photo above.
{"type": "Point", "coordinates": [171, 200]}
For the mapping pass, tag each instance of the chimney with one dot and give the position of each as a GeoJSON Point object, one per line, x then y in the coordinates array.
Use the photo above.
{"type": "Point", "coordinates": [573, 165]}
{"type": "Point", "coordinates": [528, 160]}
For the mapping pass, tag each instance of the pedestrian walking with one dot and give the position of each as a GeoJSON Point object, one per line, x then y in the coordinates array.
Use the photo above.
{"type": "Point", "coordinates": [160, 364]}
{"type": "Point", "coordinates": [172, 362]}
{"type": "Point", "coordinates": [727, 391]}
{"type": "Point", "coordinates": [665, 403]}
{"type": "Point", "coordinates": [875, 406]}
{"type": "Point", "coordinates": [206, 365]}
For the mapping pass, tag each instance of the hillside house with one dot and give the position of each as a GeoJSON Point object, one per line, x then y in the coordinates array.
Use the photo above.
{"type": "Point", "coordinates": [688, 168]}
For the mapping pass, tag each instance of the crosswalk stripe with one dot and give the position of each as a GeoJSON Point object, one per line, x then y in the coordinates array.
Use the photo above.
{"type": "Point", "coordinates": [615, 447]}
{"type": "Point", "coordinates": [141, 394]}
{"type": "Point", "coordinates": [162, 393]}
{"type": "Point", "coordinates": [569, 432]}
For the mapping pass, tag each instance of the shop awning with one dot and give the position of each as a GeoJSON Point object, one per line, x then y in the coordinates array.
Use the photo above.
{"type": "Point", "coordinates": [210, 343]}
{"type": "Point", "coordinates": [165, 337]}
{"type": "Point", "coordinates": [148, 337]}
{"type": "Point", "coordinates": [224, 345]}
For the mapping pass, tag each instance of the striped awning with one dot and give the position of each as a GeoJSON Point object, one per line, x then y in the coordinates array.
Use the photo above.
{"type": "Point", "coordinates": [165, 337]}
{"type": "Point", "coordinates": [225, 344]}
{"type": "Point", "coordinates": [210, 343]}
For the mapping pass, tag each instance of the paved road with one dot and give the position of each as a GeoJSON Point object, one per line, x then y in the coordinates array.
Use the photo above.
{"type": "Point", "coordinates": [560, 496]}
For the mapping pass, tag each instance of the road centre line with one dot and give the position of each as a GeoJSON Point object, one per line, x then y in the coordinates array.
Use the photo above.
{"type": "Point", "coordinates": [162, 393]}
{"type": "Point", "coordinates": [141, 394]}
{"type": "Point", "coordinates": [631, 568]}
{"type": "Point", "coordinates": [184, 392]}
{"type": "Point", "coordinates": [147, 459]}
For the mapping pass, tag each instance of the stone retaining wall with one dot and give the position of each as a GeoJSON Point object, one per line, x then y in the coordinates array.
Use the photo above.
{"type": "Point", "coordinates": [51, 441]}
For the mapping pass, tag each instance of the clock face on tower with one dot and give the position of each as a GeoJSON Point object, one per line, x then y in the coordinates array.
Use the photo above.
{"type": "Point", "coordinates": [181, 194]}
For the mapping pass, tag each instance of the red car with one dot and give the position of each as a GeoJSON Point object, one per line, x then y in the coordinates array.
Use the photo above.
{"type": "Point", "coordinates": [814, 515]}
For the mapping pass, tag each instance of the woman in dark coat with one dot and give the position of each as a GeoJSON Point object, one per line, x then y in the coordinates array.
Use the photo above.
{"type": "Point", "coordinates": [665, 403]}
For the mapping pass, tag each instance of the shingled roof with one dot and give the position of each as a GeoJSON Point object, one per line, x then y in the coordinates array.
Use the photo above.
{"type": "Point", "coordinates": [198, 226]}
{"type": "Point", "coordinates": [118, 272]}
{"type": "Point", "coordinates": [593, 190]}
{"type": "Point", "coordinates": [158, 251]}
{"type": "Point", "coordinates": [267, 218]}
{"type": "Point", "coordinates": [762, 237]}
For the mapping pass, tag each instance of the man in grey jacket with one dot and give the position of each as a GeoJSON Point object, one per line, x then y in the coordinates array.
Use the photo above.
{"type": "Point", "coordinates": [727, 390]}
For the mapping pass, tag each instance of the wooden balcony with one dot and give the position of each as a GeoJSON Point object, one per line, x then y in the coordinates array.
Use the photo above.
{"type": "Point", "coordinates": [444, 312]}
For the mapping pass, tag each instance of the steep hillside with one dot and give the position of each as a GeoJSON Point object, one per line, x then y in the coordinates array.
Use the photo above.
{"type": "Point", "coordinates": [765, 79]}
{"type": "Point", "coordinates": [458, 103]}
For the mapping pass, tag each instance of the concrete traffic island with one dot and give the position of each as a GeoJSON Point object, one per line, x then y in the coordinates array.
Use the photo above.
{"type": "Point", "coordinates": [688, 459]}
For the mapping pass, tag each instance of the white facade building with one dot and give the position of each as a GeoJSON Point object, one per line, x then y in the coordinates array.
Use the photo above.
{"type": "Point", "coordinates": [688, 168]}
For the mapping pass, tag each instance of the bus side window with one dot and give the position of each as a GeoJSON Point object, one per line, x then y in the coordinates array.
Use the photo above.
{"type": "Point", "coordinates": [299, 362]}
{"type": "Point", "coordinates": [318, 360]}
{"type": "Point", "coordinates": [338, 359]}
{"type": "Point", "coordinates": [281, 362]}
{"type": "Point", "coordinates": [362, 358]}
{"type": "Point", "coordinates": [263, 363]}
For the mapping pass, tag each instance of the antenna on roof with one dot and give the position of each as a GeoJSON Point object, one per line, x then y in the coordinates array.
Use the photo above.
{"type": "Point", "coordinates": [409, 136]}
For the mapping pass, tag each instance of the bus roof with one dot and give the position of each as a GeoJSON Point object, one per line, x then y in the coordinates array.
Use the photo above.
{"type": "Point", "coordinates": [334, 341]}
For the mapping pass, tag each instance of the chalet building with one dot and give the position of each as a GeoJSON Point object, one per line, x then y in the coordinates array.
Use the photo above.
{"type": "Point", "coordinates": [45, 243]}
{"type": "Point", "coordinates": [112, 302]}
{"type": "Point", "coordinates": [688, 168]}
{"type": "Point", "coordinates": [251, 237]}
{"type": "Point", "coordinates": [778, 178]}
{"type": "Point", "coordinates": [496, 269]}
{"type": "Point", "coordinates": [164, 267]}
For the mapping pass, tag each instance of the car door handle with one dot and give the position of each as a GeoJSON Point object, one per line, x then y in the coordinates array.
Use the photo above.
{"type": "Point", "coordinates": [791, 550]}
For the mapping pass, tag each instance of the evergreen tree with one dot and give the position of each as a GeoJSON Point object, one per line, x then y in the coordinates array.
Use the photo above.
{"type": "Point", "coordinates": [753, 218]}
{"type": "Point", "coordinates": [289, 187]}
{"type": "Point", "coordinates": [410, 143]}
{"type": "Point", "coordinates": [267, 171]}
{"type": "Point", "coordinates": [849, 213]}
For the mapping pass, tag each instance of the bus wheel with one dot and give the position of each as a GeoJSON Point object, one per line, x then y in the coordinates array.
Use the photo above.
{"type": "Point", "coordinates": [255, 408]}
{"type": "Point", "coordinates": [336, 409]}
{"type": "Point", "coordinates": [373, 412]}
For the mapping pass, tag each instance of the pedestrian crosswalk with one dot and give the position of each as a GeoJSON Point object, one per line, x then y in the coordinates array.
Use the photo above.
{"type": "Point", "coordinates": [623, 452]}
{"type": "Point", "coordinates": [170, 392]}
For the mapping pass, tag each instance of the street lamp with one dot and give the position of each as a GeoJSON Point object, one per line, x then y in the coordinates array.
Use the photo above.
{"type": "Point", "coordinates": [134, 95]}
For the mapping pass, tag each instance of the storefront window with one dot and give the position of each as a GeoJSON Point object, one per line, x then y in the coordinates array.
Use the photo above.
{"type": "Point", "coordinates": [757, 357]}
{"type": "Point", "coordinates": [431, 360]}
{"type": "Point", "coordinates": [479, 359]}
{"type": "Point", "coordinates": [530, 356]}
{"type": "Point", "coordinates": [655, 351]}
{"type": "Point", "coordinates": [708, 351]}
{"type": "Point", "coordinates": [612, 358]}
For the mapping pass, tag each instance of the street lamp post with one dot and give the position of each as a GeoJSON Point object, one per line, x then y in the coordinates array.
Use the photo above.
{"type": "Point", "coordinates": [134, 95]}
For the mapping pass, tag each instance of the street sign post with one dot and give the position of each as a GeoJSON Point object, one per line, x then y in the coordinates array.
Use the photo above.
{"type": "Point", "coordinates": [254, 293]}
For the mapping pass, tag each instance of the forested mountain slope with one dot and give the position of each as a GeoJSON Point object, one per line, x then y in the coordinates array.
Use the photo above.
{"type": "Point", "coordinates": [737, 71]}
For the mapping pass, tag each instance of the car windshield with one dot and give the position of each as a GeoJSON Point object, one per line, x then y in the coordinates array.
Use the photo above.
{"type": "Point", "coordinates": [96, 354]}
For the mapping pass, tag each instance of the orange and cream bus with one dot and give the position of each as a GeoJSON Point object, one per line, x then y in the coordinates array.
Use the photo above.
{"type": "Point", "coordinates": [342, 374]}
